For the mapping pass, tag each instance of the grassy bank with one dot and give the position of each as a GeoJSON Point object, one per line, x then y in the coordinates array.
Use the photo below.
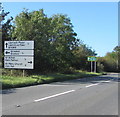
{"type": "Point", "coordinates": [17, 81]}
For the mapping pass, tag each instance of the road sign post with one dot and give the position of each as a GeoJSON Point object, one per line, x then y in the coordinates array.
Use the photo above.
{"type": "Point", "coordinates": [95, 66]}
{"type": "Point", "coordinates": [91, 66]}
{"type": "Point", "coordinates": [23, 72]}
{"type": "Point", "coordinates": [11, 72]}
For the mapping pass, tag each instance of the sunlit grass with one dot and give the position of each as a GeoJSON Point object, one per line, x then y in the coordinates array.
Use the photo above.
{"type": "Point", "coordinates": [16, 81]}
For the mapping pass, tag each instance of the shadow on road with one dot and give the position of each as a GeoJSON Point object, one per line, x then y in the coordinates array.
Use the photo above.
{"type": "Point", "coordinates": [8, 91]}
{"type": "Point", "coordinates": [104, 79]}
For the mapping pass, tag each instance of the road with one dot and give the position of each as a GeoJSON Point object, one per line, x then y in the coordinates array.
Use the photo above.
{"type": "Point", "coordinates": [86, 96]}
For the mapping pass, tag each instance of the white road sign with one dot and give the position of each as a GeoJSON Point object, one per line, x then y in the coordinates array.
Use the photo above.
{"type": "Point", "coordinates": [19, 45]}
{"type": "Point", "coordinates": [18, 62]}
{"type": "Point", "coordinates": [18, 52]}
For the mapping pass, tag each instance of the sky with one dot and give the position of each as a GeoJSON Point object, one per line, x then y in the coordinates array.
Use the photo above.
{"type": "Point", "coordinates": [96, 23]}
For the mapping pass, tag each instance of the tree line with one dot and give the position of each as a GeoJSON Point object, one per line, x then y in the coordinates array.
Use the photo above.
{"type": "Point", "coordinates": [111, 61]}
{"type": "Point", "coordinates": [57, 48]}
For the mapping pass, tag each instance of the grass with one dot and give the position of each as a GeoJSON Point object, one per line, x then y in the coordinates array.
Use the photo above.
{"type": "Point", "coordinates": [13, 82]}
{"type": "Point", "coordinates": [17, 81]}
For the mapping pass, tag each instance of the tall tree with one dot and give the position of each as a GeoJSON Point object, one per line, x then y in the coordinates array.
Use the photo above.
{"type": "Point", "coordinates": [5, 28]}
{"type": "Point", "coordinates": [54, 38]}
{"type": "Point", "coordinates": [63, 39]}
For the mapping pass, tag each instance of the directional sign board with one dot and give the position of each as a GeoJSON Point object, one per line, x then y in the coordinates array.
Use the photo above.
{"type": "Point", "coordinates": [91, 58]}
{"type": "Point", "coordinates": [19, 54]}
{"type": "Point", "coordinates": [19, 45]}
{"type": "Point", "coordinates": [18, 62]}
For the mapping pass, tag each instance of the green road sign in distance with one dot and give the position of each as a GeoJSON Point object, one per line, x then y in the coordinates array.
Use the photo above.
{"type": "Point", "coordinates": [91, 58]}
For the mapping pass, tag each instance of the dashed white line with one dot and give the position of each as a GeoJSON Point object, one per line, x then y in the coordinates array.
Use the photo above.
{"type": "Point", "coordinates": [41, 99]}
{"type": "Point", "coordinates": [98, 83]}
{"type": "Point", "coordinates": [45, 98]}
{"type": "Point", "coordinates": [107, 81]}
{"type": "Point", "coordinates": [92, 85]}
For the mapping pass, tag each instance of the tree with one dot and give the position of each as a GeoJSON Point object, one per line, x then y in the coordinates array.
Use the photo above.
{"type": "Point", "coordinates": [5, 28]}
{"type": "Point", "coordinates": [117, 49]}
{"type": "Point", "coordinates": [54, 38]}
{"type": "Point", "coordinates": [81, 53]}
{"type": "Point", "coordinates": [62, 40]}
{"type": "Point", "coordinates": [56, 45]}
{"type": "Point", "coordinates": [111, 60]}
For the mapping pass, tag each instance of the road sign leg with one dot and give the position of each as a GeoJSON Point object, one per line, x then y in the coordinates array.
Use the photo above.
{"type": "Point", "coordinates": [11, 72]}
{"type": "Point", "coordinates": [91, 66]}
{"type": "Point", "coordinates": [23, 73]}
{"type": "Point", "coordinates": [95, 67]}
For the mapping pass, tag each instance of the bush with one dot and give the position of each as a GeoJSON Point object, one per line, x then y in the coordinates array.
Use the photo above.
{"type": "Point", "coordinates": [69, 70]}
{"type": "Point", "coordinates": [100, 67]}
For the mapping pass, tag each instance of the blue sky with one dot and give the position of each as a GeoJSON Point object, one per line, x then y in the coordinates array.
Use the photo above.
{"type": "Point", "coordinates": [96, 23]}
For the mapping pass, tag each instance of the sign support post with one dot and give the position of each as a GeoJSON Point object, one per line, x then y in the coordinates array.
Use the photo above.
{"type": "Point", "coordinates": [11, 72]}
{"type": "Point", "coordinates": [95, 67]}
{"type": "Point", "coordinates": [91, 66]}
{"type": "Point", "coordinates": [23, 72]}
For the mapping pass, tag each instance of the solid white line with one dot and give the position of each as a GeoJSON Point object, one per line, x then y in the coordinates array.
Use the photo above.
{"type": "Point", "coordinates": [41, 99]}
{"type": "Point", "coordinates": [91, 85]}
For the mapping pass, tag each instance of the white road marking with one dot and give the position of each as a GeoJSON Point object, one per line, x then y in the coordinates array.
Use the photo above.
{"type": "Point", "coordinates": [45, 98]}
{"type": "Point", "coordinates": [92, 85]}
{"type": "Point", "coordinates": [41, 99]}
{"type": "Point", "coordinates": [98, 83]}
{"type": "Point", "coordinates": [105, 81]}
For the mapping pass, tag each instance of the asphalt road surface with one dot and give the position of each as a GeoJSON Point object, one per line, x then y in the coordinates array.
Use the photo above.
{"type": "Point", "coordinates": [86, 96]}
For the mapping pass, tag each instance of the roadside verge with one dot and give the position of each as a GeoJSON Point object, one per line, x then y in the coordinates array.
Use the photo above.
{"type": "Point", "coordinates": [17, 81]}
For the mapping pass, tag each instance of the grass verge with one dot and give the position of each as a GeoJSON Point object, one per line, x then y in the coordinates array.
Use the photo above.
{"type": "Point", "coordinates": [15, 81]}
